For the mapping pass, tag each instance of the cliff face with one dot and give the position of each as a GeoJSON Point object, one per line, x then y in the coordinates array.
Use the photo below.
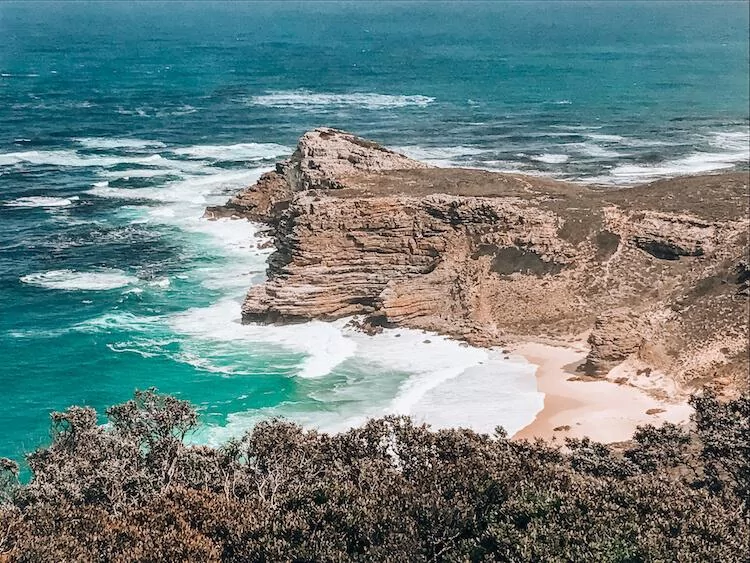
{"type": "Point", "coordinates": [658, 272]}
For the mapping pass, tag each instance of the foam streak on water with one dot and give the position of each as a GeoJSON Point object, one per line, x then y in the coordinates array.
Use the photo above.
{"type": "Point", "coordinates": [69, 280]}
{"type": "Point", "coordinates": [309, 100]}
{"type": "Point", "coordinates": [42, 201]}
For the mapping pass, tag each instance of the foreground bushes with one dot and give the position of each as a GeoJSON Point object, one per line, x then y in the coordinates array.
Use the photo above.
{"type": "Point", "coordinates": [389, 491]}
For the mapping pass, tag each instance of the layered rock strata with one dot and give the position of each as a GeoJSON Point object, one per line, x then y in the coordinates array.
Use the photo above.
{"type": "Point", "coordinates": [659, 271]}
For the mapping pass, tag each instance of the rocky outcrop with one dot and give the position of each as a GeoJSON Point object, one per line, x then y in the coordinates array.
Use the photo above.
{"type": "Point", "coordinates": [268, 198]}
{"type": "Point", "coordinates": [487, 257]}
{"type": "Point", "coordinates": [322, 160]}
{"type": "Point", "coordinates": [616, 336]}
{"type": "Point", "coordinates": [668, 236]}
{"type": "Point", "coordinates": [325, 156]}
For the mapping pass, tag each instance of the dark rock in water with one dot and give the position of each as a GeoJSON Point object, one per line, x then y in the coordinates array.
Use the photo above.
{"type": "Point", "coordinates": [365, 326]}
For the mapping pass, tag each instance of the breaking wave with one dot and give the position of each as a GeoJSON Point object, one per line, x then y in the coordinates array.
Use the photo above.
{"type": "Point", "coordinates": [241, 151]}
{"type": "Point", "coordinates": [42, 201]}
{"type": "Point", "coordinates": [548, 158]}
{"type": "Point", "coordinates": [306, 99]}
{"type": "Point", "coordinates": [69, 280]}
{"type": "Point", "coordinates": [107, 143]}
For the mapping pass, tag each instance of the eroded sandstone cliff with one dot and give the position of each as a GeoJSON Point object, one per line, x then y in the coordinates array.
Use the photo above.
{"type": "Point", "coordinates": [657, 273]}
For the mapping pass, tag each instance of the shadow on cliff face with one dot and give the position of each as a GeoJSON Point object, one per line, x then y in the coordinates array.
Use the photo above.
{"type": "Point", "coordinates": [511, 259]}
{"type": "Point", "coordinates": [607, 244]}
{"type": "Point", "coordinates": [666, 250]}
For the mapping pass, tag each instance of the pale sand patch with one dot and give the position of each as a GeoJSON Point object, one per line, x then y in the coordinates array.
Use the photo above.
{"type": "Point", "coordinates": [600, 409]}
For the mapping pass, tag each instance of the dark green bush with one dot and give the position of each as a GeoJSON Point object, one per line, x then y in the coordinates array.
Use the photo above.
{"type": "Point", "coordinates": [388, 491]}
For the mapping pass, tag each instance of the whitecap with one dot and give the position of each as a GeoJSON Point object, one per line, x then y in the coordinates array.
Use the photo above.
{"type": "Point", "coordinates": [450, 384]}
{"type": "Point", "coordinates": [200, 363]}
{"type": "Point", "coordinates": [70, 280]}
{"type": "Point", "coordinates": [603, 137]}
{"type": "Point", "coordinates": [116, 143]}
{"type": "Point", "coordinates": [133, 291]}
{"type": "Point", "coordinates": [41, 201]}
{"type": "Point", "coordinates": [240, 151]}
{"type": "Point", "coordinates": [577, 127]}
{"type": "Point", "coordinates": [10, 75]}
{"type": "Point", "coordinates": [192, 190]}
{"type": "Point", "coordinates": [74, 159]}
{"type": "Point", "coordinates": [594, 150]}
{"type": "Point", "coordinates": [181, 110]}
{"type": "Point", "coordinates": [441, 156]}
{"type": "Point", "coordinates": [306, 99]}
{"type": "Point", "coordinates": [696, 163]}
{"type": "Point", "coordinates": [162, 283]}
{"type": "Point", "coordinates": [134, 173]}
{"type": "Point", "coordinates": [428, 153]}
{"type": "Point", "coordinates": [548, 158]}
{"type": "Point", "coordinates": [735, 141]}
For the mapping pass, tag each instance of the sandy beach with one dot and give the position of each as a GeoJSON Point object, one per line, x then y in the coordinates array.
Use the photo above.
{"type": "Point", "coordinates": [600, 409]}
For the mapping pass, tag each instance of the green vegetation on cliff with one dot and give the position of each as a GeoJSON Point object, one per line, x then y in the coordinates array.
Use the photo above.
{"type": "Point", "coordinates": [133, 490]}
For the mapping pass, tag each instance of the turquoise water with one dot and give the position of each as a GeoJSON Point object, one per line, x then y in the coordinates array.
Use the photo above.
{"type": "Point", "coordinates": [120, 122]}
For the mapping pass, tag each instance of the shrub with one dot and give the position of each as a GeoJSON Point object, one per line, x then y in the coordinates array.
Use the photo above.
{"type": "Point", "coordinates": [133, 490]}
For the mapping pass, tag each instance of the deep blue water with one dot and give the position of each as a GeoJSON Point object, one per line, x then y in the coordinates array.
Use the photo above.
{"type": "Point", "coordinates": [121, 121]}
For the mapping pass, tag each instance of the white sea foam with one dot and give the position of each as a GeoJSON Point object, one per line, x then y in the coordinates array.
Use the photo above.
{"type": "Point", "coordinates": [59, 158]}
{"type": "Point", "coordinates": [439, 153]}
{"type": "Point", "coordinates": [133, 347]}
{"type": "Point", "coordinates": [451, 384]}
{"type": "Point", "coordinates": [234, 236]}
{"type": "Point", "coordinates": [441, 156]}
{"type": "Point", "coordinates": [695, 163]}
{"type": "Point", "coordinates": [70, 280]}
{"type": "Point", "coordinates": [10, 75]}
{"type": "Point", "coordinates": [548, 158]}
{"type": "Point", "coordinates": [444, 388]}
{"type": "Point", "coordinates": [74, 159]}
{"type": "Point", "coordinates": [594, 150]}
{"type": "Point", "coordinates": [498, 392]}
{"type": "Point", "coordinates": [444, 383]}
{"type": "Point", "coordinates": [431, 364]}
{"type": "Point", "coordinates": [305, 99]}
{"type": "Point", "coordinates": [135, 173]}
{"type": "Point", "coordinates": [193, 190]}
{"type": "Point", "coordinates": [42, 201]}
{"type": "Point", "coordinates": [107, 143]}
{"type": "Point", "coordinates": [577, 127]}
{"type": "Point", "coordinates": [603, 137]}
{"type": "Point", "coordinates": [241, 151]}
{"type": "Point", "coordinates": [121, 321]}
{"type": "Point", "coordinates": [324, 345]}
{"type": "Point", "coordinates": [734, 141]}
{"type": "Point", "coordinates": [162, 283]}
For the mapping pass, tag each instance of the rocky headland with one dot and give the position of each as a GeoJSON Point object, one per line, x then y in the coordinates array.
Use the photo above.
{"type": "Point", "coordinates": [655, 277]}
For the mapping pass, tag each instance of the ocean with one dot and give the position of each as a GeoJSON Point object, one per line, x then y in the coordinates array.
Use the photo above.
{"type": "Point", "coordinates": [122, 121]}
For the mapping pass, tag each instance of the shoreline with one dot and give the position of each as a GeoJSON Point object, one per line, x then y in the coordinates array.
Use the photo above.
{"type": "Point", "coordinates": [577, 407]}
